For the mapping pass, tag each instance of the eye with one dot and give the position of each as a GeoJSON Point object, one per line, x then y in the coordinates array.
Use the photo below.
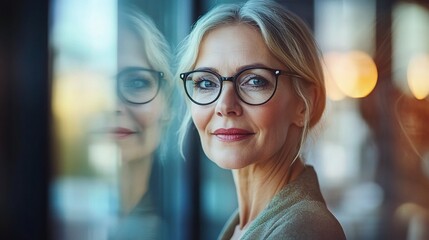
{"type": "Point", "coordinates": [205, 84]}
{"type": "Point", "coordinates": [203, 81]}
{"type": "Point", "coordinates": [137, 83]}
{"type": "Point", "coordinates": [254, 81]}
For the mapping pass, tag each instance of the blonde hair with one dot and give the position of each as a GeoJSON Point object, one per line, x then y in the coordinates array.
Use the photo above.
{"type": "Point", "coordinates": [155, 47]}
{"type": "Point", "coordinates": [286, 36]}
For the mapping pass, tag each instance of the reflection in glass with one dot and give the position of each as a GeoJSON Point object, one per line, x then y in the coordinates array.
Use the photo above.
{"type": "Point", "coordinates": [138, 85]}
{"type": "Point", "coordinates": [111, 97]}
{"type": "Point", "coordinates": [141, 115]}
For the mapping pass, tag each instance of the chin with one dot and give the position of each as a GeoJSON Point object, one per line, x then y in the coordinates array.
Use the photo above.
{"type": "Point", "coordinates": [228, 162]}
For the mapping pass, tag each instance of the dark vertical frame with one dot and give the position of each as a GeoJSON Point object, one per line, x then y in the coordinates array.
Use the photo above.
{"type": "Point", "coordinates": [194, 156]}
{"type": "Point", "coordinates": [385, 129]}
{"type": "Point", "coordinates": [377, 109]}
{"type": "Point", "coordinates": [192, 173]}
{"type": "Point", "coordinates": [24, 120]}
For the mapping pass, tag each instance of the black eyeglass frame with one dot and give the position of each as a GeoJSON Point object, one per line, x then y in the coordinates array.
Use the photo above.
{"type": "Point", "coordinates": [160, 77]}
{"type": "Point", "coordinates": [233, 79]}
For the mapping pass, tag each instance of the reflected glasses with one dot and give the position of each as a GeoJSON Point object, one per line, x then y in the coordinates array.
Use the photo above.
{"type": "Point", "coordinates": [138, 85]}
{"type": "Point", "coordinates": [254, 86]}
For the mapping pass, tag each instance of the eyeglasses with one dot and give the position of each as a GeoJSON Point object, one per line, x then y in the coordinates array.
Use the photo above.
{"type": "Point", "coordinates": [138, 85]}
{"type": "Point", "coordinates": [254, 85]}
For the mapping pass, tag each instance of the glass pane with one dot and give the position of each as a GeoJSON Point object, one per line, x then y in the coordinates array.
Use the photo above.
{"type": "Point", "coordinates": [117, 168]}
{"type": "Point", "coordinates": [84, 189]}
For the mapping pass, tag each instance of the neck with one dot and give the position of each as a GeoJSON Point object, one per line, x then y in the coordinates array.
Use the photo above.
{"type": "Point", "coordinates": [134, 179]}
{"type": "Point", "coordinates": [257, 184]}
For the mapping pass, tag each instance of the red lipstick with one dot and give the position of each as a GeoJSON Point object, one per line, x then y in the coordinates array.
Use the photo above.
{"type": "Point", "coordinates": [120, 132]}
{"type": "Point", "coordinates": [232, 134]}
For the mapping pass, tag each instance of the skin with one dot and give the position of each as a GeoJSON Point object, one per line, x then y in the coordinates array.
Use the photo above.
{"type": "Point", "coordinates": [262, 159]}
{"type": "Point", "coordinates": [145, 120]}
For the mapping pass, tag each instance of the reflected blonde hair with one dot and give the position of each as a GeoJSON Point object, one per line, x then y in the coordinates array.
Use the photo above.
{"type": "Point", "coordinates": [155, 47]}
{"type": "Point", "coordinates": [286, 36]}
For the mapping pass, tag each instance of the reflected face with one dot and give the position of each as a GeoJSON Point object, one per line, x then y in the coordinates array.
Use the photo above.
{"type": "Point", "coordinates": [234, 134]}
{"type": "Point", "coordinates": [138, 126]}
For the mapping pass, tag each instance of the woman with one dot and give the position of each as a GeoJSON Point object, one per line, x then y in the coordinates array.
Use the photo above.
{"type": "Point", "coordinates": [144, 85]}
{"type": "Point", "coordinates": [253, 75]}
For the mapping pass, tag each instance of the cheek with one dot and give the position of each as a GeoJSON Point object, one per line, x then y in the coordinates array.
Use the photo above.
{"type": "Point", "coordinates": [276, 118]}
{"type": "Point", "coordinates": [148, 114]}
{"type": "Point", "coordinates": [273, 113]}
{"type": "Point", "coordinates": [201, 117]}
{"type": "Point", "coordinates": [273, 125]}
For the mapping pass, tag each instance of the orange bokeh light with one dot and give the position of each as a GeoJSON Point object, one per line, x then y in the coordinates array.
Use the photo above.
{"type": "Point", "coordinates": [332, 90]}
{"type": "Point", "coordinates": [354, 73]}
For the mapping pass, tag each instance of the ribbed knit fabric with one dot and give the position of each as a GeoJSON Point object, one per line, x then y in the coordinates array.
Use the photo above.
{"type": "Point", "coordinates": [298, 211]}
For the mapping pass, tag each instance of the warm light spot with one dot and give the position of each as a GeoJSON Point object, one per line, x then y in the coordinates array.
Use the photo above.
{"type": "Point", "coordinates": [77, 96]}
{"type": "Point", "coordinates": [355, 73]}
{"type": "Point", "coordinates": [418, 76]}
{"type": "Point", "coordinates": [332, 90]}
{"type": "Point", "coordinates": [407, 210]}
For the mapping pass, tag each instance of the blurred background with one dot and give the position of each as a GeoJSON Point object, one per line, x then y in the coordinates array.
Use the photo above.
{"type": "Point", "coordinates": [371, 150]}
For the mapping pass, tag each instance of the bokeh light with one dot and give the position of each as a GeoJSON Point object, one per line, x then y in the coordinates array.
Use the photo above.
{"type": "Point", "coordinates": [418, 75]}
{"type": "Point", "coordinates": [332, 90]}
{"type": "Point", "coordinates": [410, 37]}
{"type": "Point", "coordinates": [354, 73]}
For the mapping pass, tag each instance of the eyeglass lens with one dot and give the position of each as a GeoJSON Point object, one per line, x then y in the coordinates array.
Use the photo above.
{"type": "Point", "coordinates": [253, 86]}
{"type": "Point", "coordinates": [138, 86]}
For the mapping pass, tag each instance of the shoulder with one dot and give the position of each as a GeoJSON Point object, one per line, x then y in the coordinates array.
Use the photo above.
{"type": "Point", "coordinates": [307, 220]}
{"type": "Point", "coordinates": [298, 211]}
{"type": "Point", "coordinates": [303, 220]}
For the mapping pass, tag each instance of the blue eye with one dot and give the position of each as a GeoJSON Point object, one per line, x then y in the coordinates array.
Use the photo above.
{"type": "Point", "coordinates": [205, 84]}
{"type": "Point", "coordinates": [137, 83]}
{"type": "Point", "coordinates": [203, 81]}
{"type": "Point", "coordinates": [256, 82]}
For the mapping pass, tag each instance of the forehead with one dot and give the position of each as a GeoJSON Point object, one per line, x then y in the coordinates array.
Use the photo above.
{"type": "Point", "coordinates": [230, 47]}
{"type": "Point", "coordinates": [131, 49]}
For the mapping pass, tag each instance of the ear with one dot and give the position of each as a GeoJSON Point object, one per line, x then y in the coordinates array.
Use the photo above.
{"type": "Point", "coordinates": [299, 118]}
{"type": "Point", "coordinates": [310, 93]}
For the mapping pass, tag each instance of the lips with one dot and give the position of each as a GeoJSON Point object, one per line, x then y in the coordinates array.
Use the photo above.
{"type": "Point", "coordinates": [232, 134]}
{"type": "Point", "coordinates": [120, 132]}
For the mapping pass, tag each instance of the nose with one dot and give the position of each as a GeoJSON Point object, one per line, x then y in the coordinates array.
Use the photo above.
{"type": "Point", "coordinates": [119, 105]}
{"type": "Point", "coordinates": [228, 103]}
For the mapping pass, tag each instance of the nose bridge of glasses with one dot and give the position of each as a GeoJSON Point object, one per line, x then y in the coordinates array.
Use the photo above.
{"type": "Point", "coordinates": [234, 90]}
{"type": "Point", "coordinates": [227, 91]}
{"type": "Point", "coordinates": [227, 79]}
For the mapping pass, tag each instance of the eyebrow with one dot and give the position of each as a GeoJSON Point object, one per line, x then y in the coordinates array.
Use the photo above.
{"type": "Point", "coordinates": [206, 69]}
{"type": "Point", "coordinates": [134, 68]}
{"type": "Point", "coordinates": [254, 65]}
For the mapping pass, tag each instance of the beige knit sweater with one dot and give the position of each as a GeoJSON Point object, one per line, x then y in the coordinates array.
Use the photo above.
{"type": "Point", "coordinates": [298, 211]}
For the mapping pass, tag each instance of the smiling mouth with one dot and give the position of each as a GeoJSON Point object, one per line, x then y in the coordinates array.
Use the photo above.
{"type": "Point", "coordinates": [232, 134]}
{"type": "Point", "coordinates": [121, 133]}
